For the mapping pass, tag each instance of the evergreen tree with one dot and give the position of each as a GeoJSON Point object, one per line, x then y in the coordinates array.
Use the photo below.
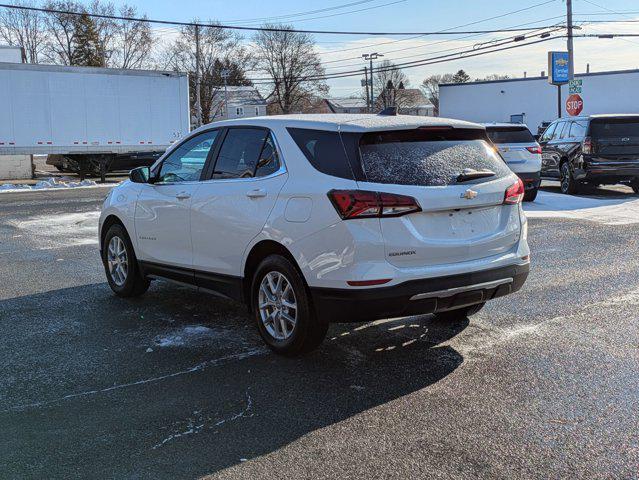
{"type": "Point", "coordinates": [461, 77]}
{"type": "Point", "coordinates": [87, 50]}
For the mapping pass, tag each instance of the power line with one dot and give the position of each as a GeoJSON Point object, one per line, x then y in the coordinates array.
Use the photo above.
{"type": "Point", "coordinates": [343, 13]}
{"type": "Point", "coordinates": [248, 28]}
{"type": "Point", "coordinates": [418, 63]}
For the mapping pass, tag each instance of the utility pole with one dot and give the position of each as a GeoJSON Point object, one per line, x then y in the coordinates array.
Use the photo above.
{"type": "Point", "coordinates": [571, 53]}
{"type": "Point", "coordinates": [225, 76]}
{"type": "Point", "coordinates": [365, 84]}
{"type": "Point", "coordinates": [198, 96]}
{"type": "Point", "coordinates": [370, 57]}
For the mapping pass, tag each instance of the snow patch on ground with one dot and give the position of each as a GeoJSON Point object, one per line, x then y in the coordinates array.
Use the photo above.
{"type": "Point", "coordinates": [607, 211]}
{"type": "Point", "coordinates": [51, 183]}
{"type": "Point", "coordinates": [67, 229]}
{"type": "Point", "coordinates": [189, 336]}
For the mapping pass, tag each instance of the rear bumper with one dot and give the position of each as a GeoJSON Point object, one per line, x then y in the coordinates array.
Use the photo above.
{"type": "Point", "coordinates": [531, 180]}
{"type": "Point", "coordinates": [608, 171]}
{"type": "Point", "coordinates": [418, 296]}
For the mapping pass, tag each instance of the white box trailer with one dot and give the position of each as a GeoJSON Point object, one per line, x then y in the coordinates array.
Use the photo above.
{"type": "Point", "coordinates": [534, 100]}
{"type": "Point", "coordinates": [91, 116]}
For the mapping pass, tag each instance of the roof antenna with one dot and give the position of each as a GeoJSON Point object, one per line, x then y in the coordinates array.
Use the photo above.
{"type": "Point", "coordinates": [389, 111]}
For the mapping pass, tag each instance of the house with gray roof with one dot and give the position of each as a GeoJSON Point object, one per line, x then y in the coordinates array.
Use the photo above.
{"type": "Point", "coordinates": [242, 102]}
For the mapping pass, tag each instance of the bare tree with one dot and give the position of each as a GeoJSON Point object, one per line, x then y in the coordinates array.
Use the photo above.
{"type": "Point", "coordinates": [105, 27]}
{"type": "Point", "coordinates": [430, 87]}
{"type": "Point", "coordinates": [219, 49]}
{"type": "Point", "coordinates": [24, 28]}
{"type": "Point", "coordinates": [290, 59]}
{"type": "Point", "coordinates": [388, 81]}
{"type": "Point", "coordinates": [61, 29]}
{"type": "Point", "coordinates": [132, 41]}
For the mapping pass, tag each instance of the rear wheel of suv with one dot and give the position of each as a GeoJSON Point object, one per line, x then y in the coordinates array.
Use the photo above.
{"type": "Point", "coordinates": [530, 195]}
{"type": "Point", "coordinates": [120, 264]}
{"type": "Point", "coordinates": [569, 185]}
{"type": "Point", "coordinates": [282, 308]}
{"type": "Point", "coordinates": [459, 313]}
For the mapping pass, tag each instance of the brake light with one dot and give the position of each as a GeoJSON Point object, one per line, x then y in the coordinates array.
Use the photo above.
{"type": "Point", "coordinates": [536, 149]}
{"type": "Point", "coordinates": [366, 204]}
{"type": "Point", "coordinates": [586, 146]}
{"type": "Point", "coordinates": [514, 193]}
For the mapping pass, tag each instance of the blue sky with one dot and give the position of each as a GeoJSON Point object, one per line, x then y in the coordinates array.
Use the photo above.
{"type": "Point", "coordinates": [428, 15]}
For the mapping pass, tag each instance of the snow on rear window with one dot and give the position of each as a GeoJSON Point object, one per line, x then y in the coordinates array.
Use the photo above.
{"type": "Point", "coordinates": [429, 163]}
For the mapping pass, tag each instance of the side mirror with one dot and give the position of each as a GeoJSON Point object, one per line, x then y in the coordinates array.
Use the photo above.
{"type": "Point", "coordinates": [140, 175]}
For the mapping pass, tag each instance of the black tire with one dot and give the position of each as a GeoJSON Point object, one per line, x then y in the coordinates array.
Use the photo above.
{"type": "Point", "coordinates": [530, 195]}
{"type": "Point", "coordinates": [635, 186]}
{"type": "Point", "coordinates": [569, 185]}
{"type": "Point", "coordinates": [308, 331]}
{"type": "Point", "coordinates": [134, 283]}
{"type": "Point", "coordinates": [459, 313]}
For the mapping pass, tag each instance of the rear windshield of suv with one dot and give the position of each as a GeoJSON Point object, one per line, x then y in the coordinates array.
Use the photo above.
{"type": "Point", "coordinates": [510, 135]}
{"type": "Point", "coordinates": [426, 157]}
{"type": "Point", "coordinates": [614, 127]}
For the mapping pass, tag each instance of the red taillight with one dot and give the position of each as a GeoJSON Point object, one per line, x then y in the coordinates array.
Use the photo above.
{"type": "Point", "coordinates": [514, 193]}
{"type": "Point", "coordinates": [365, 204]}
{"type": "Point", "coordinates": [536, 149]}
{"type": "Point", "coordinates": [586, 146]}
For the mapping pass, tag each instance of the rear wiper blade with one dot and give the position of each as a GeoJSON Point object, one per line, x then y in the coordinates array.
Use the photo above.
{"type": "Point", "coordinates": [472, 174]}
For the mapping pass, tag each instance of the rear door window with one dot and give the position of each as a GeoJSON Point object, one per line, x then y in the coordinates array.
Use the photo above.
{"type": "Point", "coordinates": [239, 154]}
{"type": "Point", "coordinates": [414, 157]}
{"type": "Point", "coordinates": [500, 135]}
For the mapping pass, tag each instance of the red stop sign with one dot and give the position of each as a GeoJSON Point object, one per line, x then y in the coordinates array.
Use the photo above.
{"type": "Point", "coordinates": [574, 104]}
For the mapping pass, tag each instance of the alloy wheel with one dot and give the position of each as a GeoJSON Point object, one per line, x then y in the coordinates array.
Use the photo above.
{"type": "Point", "coordinates": [565, 177]}
{"type": "Point", "coordinates": [277, 305]}
{"type": "Point", "coordinates": [117, 261]}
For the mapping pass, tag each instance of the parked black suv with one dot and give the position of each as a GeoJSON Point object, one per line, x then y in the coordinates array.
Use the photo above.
{"type": "Point", "coordinates": [598, 150]}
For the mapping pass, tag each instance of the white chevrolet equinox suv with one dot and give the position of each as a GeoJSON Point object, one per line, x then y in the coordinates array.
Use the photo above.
{"type": "Point", "coordinates": [311, 219]}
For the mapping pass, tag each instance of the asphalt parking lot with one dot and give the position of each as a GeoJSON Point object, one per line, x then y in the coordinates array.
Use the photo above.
{"type": "Point", "coordinates": [541, 384]}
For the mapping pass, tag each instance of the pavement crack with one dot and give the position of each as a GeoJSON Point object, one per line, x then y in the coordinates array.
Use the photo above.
{"type": "Point", "coordinates": [199, 423]}
{"type": "Point", "coordinates": [200, 366]}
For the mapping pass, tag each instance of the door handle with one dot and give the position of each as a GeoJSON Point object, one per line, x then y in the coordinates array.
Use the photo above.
{"type": "Point", "coordinates": [183, 195]}
{"type": "Point", "coordinates": [257, 193]}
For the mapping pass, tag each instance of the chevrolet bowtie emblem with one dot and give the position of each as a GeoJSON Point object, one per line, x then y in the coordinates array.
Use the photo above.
{"type": "Point", "coordinates": [469, 194]}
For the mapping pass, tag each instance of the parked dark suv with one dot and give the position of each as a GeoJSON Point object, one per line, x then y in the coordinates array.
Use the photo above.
{"type": "Point", "coordinates": [598, 150]}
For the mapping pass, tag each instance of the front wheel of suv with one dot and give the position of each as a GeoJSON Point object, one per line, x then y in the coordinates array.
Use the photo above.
{"type": "Point", "coordinates": [569, 185]}
{"type": "Point", "coordinates": [120, 264]}
{"type": "Point", "coordinates": [282, 308]}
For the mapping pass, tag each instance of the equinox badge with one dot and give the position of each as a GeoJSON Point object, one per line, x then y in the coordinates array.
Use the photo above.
{"type": "Point", "coordinates": [469, 194]}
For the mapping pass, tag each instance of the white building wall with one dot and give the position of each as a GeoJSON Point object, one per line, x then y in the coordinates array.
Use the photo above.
{"type": "Point", "coordinates": [614, 92]}
{"type": "Point", "coordinates": [15, 167]}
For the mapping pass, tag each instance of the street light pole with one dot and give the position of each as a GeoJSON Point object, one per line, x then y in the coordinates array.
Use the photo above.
{"type": "Point", "coordinates": [198, 97]}
{"type": "Point", "coordinates": [370, 57]}
{"type": "Point", "coordinates": [365, 85]}
{"type": "Point", "coordinates": [225, 76]}
{"type": "Point", "coordinates": [571, 53]}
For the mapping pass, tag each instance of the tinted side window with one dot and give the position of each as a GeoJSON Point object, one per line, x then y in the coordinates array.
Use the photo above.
{"type": "Point", "coordinates": [324, 151]}
{"type": "Point", "coordinates": [578, 129]}
{"type": "Point", "coordinates": [548, 133]}
{"type": "Point", "coordinates": [269, 161]}
{"type": "Point", "coordinates": [510, 135]}
{"type": "Point", "coordinates": [557, 133]}
{"type": "Point", "coordinates": [566, 131]}
{"type": "Point", "coordinates": [239, 153]}
{"type": "Point", "coordinates": [186, 162]}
